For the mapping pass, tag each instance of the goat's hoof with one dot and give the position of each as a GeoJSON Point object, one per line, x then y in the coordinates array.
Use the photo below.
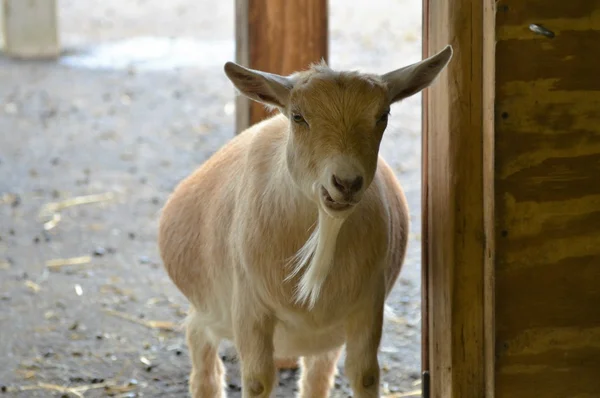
{"type": "Point", "coordinates": [256, 388]}
{"type": "Point", "coordinates": [368, 381]}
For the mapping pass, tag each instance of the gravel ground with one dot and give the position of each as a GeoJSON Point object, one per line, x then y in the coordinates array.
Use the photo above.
{"type": "Point", "coordinates": [88, 125]}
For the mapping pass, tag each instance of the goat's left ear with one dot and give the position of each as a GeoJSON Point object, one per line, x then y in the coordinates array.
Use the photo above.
{"type": "Point", "coordinates": [267, 88]}
{"type": "Point", "coordinates": [411, 79]}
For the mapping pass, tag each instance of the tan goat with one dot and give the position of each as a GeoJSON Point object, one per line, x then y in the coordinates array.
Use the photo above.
{"type": "Point", "coordinates": [288, 240]}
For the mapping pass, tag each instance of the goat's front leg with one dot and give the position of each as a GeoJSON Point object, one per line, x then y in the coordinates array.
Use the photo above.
{"type": "Point", "coordinates": [363, 336]}
{"type": "Point", "coordinates": [254, 342]}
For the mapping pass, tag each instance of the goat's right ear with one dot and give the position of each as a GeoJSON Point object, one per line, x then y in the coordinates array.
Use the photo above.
{"type": "Point", "coordinates": [268, 88]}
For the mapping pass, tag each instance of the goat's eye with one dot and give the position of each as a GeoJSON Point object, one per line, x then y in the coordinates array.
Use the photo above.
{"type": "Point", "coordinates": [384, 118]}
{"type": "Point", "coordinates": [296, 117]}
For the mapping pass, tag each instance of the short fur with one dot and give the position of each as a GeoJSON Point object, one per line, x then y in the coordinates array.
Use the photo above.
{"type": "Point", "coordinates": [251, 241]}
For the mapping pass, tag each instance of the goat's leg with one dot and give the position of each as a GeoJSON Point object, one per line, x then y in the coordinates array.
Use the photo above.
{"type": "Point", "coordinates": [318, 374]}
{"type": "Point", "coordinates": [363, 338]}
{"type": "Point", "coordinates": [207, 376]}
{"type": "Point", "coordinates": [254, 342]}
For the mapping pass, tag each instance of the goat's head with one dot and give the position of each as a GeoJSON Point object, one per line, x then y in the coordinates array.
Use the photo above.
{"type": "Point", "coordinates": [336, 120]}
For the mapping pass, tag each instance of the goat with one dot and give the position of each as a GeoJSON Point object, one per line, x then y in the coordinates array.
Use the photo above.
{"type": "Point", "coordinates": [289, 238]}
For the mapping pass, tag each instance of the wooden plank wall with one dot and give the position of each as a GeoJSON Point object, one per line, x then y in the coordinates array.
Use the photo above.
{"type": "Point", "coordinates": [279, 37]}
{"type": "Point", "coordinates": [458, 200]}
{"type": "Point", "coordinates": [548, 199]}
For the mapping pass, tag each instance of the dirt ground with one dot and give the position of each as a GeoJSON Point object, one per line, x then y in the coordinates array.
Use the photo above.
{"type": "Point", "coordinates": [127, 130]}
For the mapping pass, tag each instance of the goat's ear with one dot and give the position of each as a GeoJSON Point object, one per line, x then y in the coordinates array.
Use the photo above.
{"type": "Point", "coordinates": [268, 88]}
{"type": "Point", "coordinates": [411, 79]}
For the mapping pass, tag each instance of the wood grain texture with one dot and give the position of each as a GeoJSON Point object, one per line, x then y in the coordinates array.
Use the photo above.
{"type": "Point", "coordinates": [459, 200]}
{"type": "Point", "coordinates": [489, 203]}
{"type": "Point", "coordinates": [278, 37]}
{"type": "Point", "coordinates": [425, 315]}
{"type": "Point", "coordinates": [548, 200]}
{"type": "Point", "coordinates": [30, 28]}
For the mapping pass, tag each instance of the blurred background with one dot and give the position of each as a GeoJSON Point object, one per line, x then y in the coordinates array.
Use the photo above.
{"type": "Point", "coordinates": [92, 144]}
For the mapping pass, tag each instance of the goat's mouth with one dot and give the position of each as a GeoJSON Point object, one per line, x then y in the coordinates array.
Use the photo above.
{"type": "Point", "coordinates": [331, 204]}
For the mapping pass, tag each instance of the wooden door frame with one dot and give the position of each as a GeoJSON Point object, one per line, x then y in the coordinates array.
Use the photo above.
{"type": "Point", "coordinates": [458, 201]}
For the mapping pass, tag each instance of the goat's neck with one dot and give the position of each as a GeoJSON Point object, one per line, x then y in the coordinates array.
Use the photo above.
{"type": "Point", "coordinates": [285, 191]}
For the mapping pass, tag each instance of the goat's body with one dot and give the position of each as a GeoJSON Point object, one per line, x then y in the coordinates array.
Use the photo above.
{"type": "Point", "coordinates": [239, 219]}
{"type": "Point", "coordinates": [289, 239]}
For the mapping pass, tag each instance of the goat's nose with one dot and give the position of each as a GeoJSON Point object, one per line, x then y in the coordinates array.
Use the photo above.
{"type": "Point", "coordinates": [347, 186]}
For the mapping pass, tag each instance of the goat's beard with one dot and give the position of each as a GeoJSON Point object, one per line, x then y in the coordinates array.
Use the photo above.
{"type": "Point", "coordinates": [316, 258]}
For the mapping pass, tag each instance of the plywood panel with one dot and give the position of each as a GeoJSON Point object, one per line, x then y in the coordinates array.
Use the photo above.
{"type": "Point", "coordinates": [548, 200]}
{"type": "Point", "coordinates": [278, 37]}
{"type": "Point", "coordinates": [458, 200]}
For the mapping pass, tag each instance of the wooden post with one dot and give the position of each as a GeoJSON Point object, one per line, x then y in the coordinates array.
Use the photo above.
{"type": "Point", "coordinates": [30, 28]}
{"type": "Point", "coordinates": [458, 200]}
{"type": "Point", "coordinates": [278, 37]}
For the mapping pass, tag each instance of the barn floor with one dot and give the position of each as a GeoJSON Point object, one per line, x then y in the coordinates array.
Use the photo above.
{"type": "Point", "coordinates": [125, 123]}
